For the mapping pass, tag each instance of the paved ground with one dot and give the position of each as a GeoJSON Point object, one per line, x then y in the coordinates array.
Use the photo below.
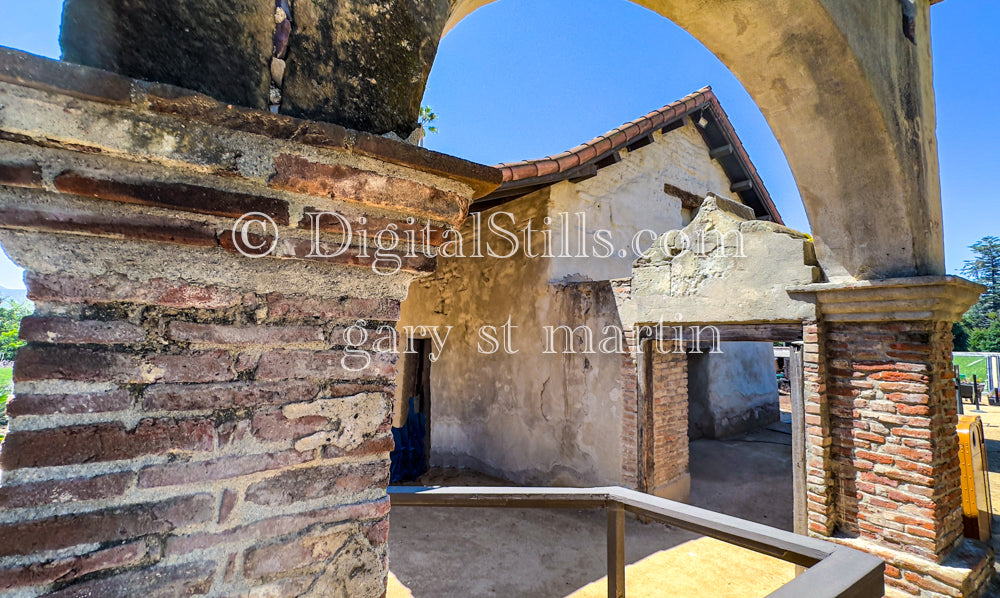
{"type": "Point", "coordinates": [554, 554]}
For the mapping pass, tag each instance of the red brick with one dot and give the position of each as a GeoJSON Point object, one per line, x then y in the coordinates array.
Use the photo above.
{"type": "Point", "coordinates": [21, 174]}
{"type": "Point", "coordinates": [374, 446]}
{"type": "Point", "coordinates": [104, 442]}
{"type": "Point", "coordinates": [324, 365]}
{"type": "Point", "coordinates": [215, 334]}
{"type": "Point", "coordinates": [177, 196]}
{"type": "Point", "coordinates": [228, 395]}
{"type": "Point", "coordinates": [226, 505]}
{"type": "Point", "coordinates": [40, 329]}
{"type": "Point", "coordinates": [172, 474]}
{"type": "Point", "coordinates": [61, 288]}
{"type": "Point", "coordinates": [913, 409]}
{"type": "Point", "coordinates": [869, 437]}
{"type": "Point", "coordinates": [278, 526]}
{"type": "Point", "coordinates": [304, 551]}
{"type": "Point", "coordinates": [107, 525]}
{"type": "Point", "coordinates": [140, 227]}
{"type": "Point", "coordinates": [273, 426]}
{"type": "Point", "coordinates": [344, 183]}
{"type": "Point", "coordinates": [94, 402]}
{"type": "Point", "coordinates": [379, 308]}
{"type": "Point", "coordinates": [314, 482]}
{"type": "Point", "coordinates": [66, 570]}
{"type": "Point", "coordinates": [208, 366]}
{"type": "Point", "coordinates": [176, 581]}
{"type": "Point", "coordinates": [71, 363]}
{"type": "Point", "coordinates": [894, 376]}
{"type": "Point", "coordinates": [35, 494]}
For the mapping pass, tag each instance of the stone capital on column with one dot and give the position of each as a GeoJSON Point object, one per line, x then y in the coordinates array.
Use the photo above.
{"type": "Point", "coordinates": [920, 298]}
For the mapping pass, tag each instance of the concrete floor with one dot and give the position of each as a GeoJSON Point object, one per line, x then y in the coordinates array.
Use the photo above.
{"type": "Point", "coordinates": [554, 554]}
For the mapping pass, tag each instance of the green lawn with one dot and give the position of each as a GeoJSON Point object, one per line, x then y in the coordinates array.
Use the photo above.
{"type": "Point", "coordinates": [971, 364]}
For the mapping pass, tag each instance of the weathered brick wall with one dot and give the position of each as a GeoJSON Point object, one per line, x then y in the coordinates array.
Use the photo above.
{"type": "Point", "coordinates": [628, 381]}
{"type": "Point", "coordinates": [888, 390]}
{"type": "Point", "coordinates": [883, 469]}
{"type": "Point", "coordinates": [820, 501]}
{"type": "Point", "coordinates": [184, 422]}
{"type": "Point", "coordinates": [670, 418]}
{"type": "Point", "coordinates": [193, 439]}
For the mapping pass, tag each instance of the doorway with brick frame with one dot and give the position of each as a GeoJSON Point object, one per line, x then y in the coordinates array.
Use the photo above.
{"type": "Point", "coordinates": [663, 438]}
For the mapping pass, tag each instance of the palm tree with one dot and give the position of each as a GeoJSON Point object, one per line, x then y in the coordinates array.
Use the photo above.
{"type": "Point", "coordinates": [427, 116]}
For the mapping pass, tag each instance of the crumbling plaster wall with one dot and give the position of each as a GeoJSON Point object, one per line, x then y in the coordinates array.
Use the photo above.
{"type": "Point", "coordinates": [731, 393]}
{"type": "Point", "coordinates": [528, 416]}
{"type": "Point", "coordinates": [628, 197]}
{"type": "Point", "coordinates": [555, 418]}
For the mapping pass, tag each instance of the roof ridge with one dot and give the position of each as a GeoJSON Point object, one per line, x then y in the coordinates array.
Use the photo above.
{"type": "Point", "coordinates": [631, 130]}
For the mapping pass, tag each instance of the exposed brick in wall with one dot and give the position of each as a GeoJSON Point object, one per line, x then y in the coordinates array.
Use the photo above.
{"type": "Point", "coordinates": [883, 469]}
{"type": "Point", "coordinates": [628, 380]}
{"type": "Point", "coordinates": [183, 421]}
{"type": "Point", "coordinates": [158, 444]}
{"type": "Point", "coordinates": [819, 476]}
{"type": "Point", "coordinates": [670, 417]}
{"type": "Point", "coordinates": [889, 393]}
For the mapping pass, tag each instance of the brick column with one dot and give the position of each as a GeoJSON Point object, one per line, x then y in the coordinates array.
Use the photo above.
{"type": "Point", "coordinates": [671, 477]}
{"type": "Point", "coordinates": [883, 447]}
{"type": "Point", "coordinates": [185, 422]}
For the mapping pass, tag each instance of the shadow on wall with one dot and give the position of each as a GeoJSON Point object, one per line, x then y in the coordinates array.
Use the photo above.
{"type": "Point", "coordinates": [733, 392]}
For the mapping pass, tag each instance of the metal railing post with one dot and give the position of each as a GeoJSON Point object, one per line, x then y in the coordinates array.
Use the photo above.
{"type": "Point", "coordinates": [834, 571]}
{"type": "Point", "coordinates": [616, 550]}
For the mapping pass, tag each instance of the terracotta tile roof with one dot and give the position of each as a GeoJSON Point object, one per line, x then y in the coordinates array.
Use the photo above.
{"type": "Point", "coordinates": [571, 164]}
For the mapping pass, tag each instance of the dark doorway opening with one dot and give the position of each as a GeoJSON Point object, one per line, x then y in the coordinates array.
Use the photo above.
{"type": "Point", "coordinates": [411, 455]}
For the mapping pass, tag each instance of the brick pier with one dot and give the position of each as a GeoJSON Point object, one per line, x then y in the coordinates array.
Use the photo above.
{"type": "Point", "coordinates": [185, 421]}
{"type": "Point", "coordinates": [881, 417]}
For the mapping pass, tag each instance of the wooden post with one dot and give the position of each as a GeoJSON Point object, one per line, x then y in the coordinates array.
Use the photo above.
{"type": "Point", "coordinates": [616, 550]}
{"type": "Point", "coordinates": [958, 391]}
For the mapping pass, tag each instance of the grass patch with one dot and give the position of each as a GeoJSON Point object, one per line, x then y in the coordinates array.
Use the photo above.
{"type": "Point", "coordinates": [6, 375]}
{"type": "Point", "coordinates": [971, 364]}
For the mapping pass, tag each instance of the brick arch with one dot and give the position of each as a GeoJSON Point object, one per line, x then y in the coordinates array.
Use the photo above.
{"type": "Point", "coordinates": [849, 99]}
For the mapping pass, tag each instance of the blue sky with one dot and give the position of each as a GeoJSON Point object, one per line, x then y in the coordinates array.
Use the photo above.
{"type": "Point", "coordinates": [526, 78]}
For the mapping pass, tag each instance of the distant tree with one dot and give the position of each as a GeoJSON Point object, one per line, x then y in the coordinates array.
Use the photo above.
{"type": "Point", "coordinates": [962, 336]}
{"type": "Point", "coordinates": [986, 340]}
{"type": "Point", "coordinates": [984, 268]}
{"type": "Point", "coordinates": [11, 314]}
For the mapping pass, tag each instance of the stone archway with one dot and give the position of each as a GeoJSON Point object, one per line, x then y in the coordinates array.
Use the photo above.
{"type": "Point", "coordinates": [846, 91]}
{"type": "Point", "coordinates": [849, 99]}
{"type": "Point", "coordinates": [847, 95]}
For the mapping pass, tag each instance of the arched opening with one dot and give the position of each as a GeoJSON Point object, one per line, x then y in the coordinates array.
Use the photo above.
{"type": "Point", "coordinates": [544, 417]}
{"type": "Point", "coordinates": [863, 148]}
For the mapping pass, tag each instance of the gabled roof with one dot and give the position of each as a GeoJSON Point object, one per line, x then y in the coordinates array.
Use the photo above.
{"type": "Point", "coordinates": [583, 161]}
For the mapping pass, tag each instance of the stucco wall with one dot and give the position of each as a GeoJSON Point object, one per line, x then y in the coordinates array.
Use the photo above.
{"type": "Point", "coordinates": [732, 392]}
{"type": "Point", "coordinates": [528, 416]}
{"type": "Point", "coordinates": [628, 197]}
{"type": "Point", "coordinates": [543, 418]}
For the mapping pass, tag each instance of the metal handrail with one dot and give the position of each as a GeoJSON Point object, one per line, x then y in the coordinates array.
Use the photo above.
{"type": "Point", "coordinates": [834, 571]}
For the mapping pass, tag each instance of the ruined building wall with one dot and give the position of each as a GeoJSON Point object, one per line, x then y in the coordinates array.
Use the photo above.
{"type": "Point", "coordinates": [566, 418]}
{"type": "Point", "coordinates": [184, 422]}
{"type": "Point", "coordinates": [529, 417]}
{"type": "Point", "coordinates": [733, 392]}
